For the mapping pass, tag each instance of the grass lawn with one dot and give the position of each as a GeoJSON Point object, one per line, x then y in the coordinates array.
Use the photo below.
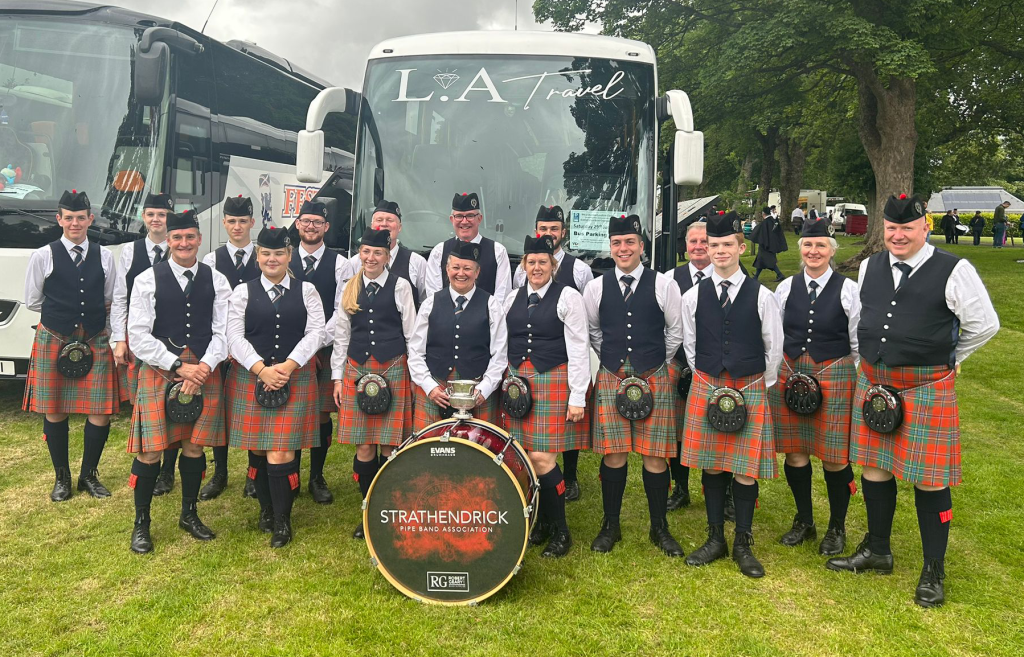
{"type": "Point", "coordinates": [70, 586]}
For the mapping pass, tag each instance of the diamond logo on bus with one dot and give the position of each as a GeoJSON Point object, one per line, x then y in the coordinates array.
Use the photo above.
{"type": "Point", "coordinates": [446, 79]}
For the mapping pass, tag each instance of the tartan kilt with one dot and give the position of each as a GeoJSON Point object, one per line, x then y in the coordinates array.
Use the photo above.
{"type": "Point", "coordinates": [295, 425]}
{"type": "Point", "coordinates": [545, 428]}
{"type": "Point", "coordinates": [680, 406]}
{"type": "Point", "coordinates": [749, 452]}
{"type": "Point", "coordinates": [652, 436]}
{"type": "Point", "coordinates": [926, 448]}
{"type": "Point", "coordinates": [151, 431]}
{"type": "Point", "coordinates": [49, 391]}
{"type": "Point", "coordinates": [389, 428]}
{"type": "Point", "coordinates": [324, 382]}
{"type": "Point", "coordinates": [826, 433]}
{"type": "Point", "coordinates": [129, 377]}
{"type": "Point", "coordinates": [426, 412]}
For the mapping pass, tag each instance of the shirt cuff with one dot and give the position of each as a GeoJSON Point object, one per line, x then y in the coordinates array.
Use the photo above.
{"type": "Point", "coordinates": [578, 399]}
{"type": "Point", "coordinates": [298, 359]}
{"type": "Point", "coordinates": [250, 361]}
{"type": "Point", "coordinates": [210, 361]}
{"type": "Point", "coordinates": [166, 362]}
{"type": "Point", "coordinates": [116, 337]}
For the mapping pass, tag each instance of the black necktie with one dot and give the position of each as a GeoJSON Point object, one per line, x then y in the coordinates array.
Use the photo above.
{"type": "Point", "coordinates": [531, 303]}
{"type": "Point", "coordinates": [310, 261]}
{"type": "Point", "coordinates": [371, 290]}
{"type": "Point", "coordinates": [460, 304]}
{"type": "Point", "coordinates": [724, 297]}
{"type": "Point", "coordinates": [905, 269]}
{"type": "Point", "coordinates": [627, 290]}
{"type": "Point", "coordinates": [699, 276]}
{"type": "Point", "coordinates": [78, 254]}
{"type": "Point", "coordinates": [157, 254]}
{"type": "Point", "coordinates": [276, 293]}
{"type": "Point", "coordinates": [188, 286]}
{"type": "Point", "coordinates": [814, 290]}
{"type": "Point", "coordinates": [239, 255]}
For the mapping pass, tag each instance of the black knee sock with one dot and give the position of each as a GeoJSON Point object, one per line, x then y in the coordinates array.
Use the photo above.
{"type": "Point", "coordinates": [57, 442]}
{"type": "Point", "coordinates": [757, 273]}
{"type": "Point", "coordinates": [714, 495]}
{"type": "Point", "coordinates": [94, 439]}
{"type": "Point", "coordinates": [745, 498]}
{"type": "Point", "coordinates": [552, 498]}
{"type": "Point", "coordinates": [613, 487]}
{"type": "Point", "coordinates": [570, 464]}
{"type": "Point", "coordinates": [220, 459]}
{"type": "Point", "coordinates": [171, 457]}
{"type": "Point", "coordinates": [364, 472]}
{"type": "Point", "coordinates": [143, 481]}
{"type": "Point", "coordinates": [880, 500]}
{"type": "Point", "coordinates": [934, 515]}
{"type": "Point", "coordinates": [778, 272]}
{"type": "Point", "coordinates": [284, 478]}
{"type": "Point", "coordinates": [680, 473]}
{"type": "Point", "coordinates": [318, 455]}
{"type": "Point", "coordinates": [656, 486]}
{"type": "Point", "coordinates": [192, 469]}
{"type": "Point", "coordinates": [799, 480]}
{"type": "Point", "coordinates": [258, 474]}
{"type": "Point", "coordinates": [840, 487]}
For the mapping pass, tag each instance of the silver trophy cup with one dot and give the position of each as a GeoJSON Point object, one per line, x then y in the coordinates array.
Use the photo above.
{"type": "Point", "coordinates": [462, 397]}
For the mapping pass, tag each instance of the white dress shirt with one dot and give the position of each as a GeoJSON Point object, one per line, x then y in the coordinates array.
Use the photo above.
{"type": "Point", "coordinates": [581, 273]}
{"type": "Point", "coordinates": [417, 268]}
{"type": "Point", "coordinates": [142, 314]}
{"type": "Point", "coordinates": [767, 309]}
{"type": "Point", "coordinates": [573, 316]}
{"type": "Point", "coordinates": [343, 327]}
{"type": "Point", "coordinates": [418, 369]}
{"type": "Point", "coordinates": [342, 272]}
{"type": "Point", "coordinates": [210, 258]}
{"type": "Point", "coordinates": [692, 270]}
{"type": "Point", "coordinates": [667, 294]}
{"type": "Point", "coordinates": [119, 304]}
{"type": "Point", "coordinates": [966, 297]}
{"type": "Point", "coordinates": [40, 266]}
{"type": "Point", "coordinates": [849, 298]}
{"type": "Point", "coordinates": [243, 351]}
{"type": "Point", "coordinates": [502, 279]}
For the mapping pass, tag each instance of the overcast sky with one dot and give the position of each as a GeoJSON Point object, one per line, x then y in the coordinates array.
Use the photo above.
{"type": "Point", "coordinates": [331, 38]}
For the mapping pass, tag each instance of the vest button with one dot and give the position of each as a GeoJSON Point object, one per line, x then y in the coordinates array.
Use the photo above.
{"type": "Point", "coordinates": [629, 348]}
{"type": "Point", "coordinates": [456, 357]}
{"type": "Point", "coordinates": [810, 321]}
{"type": "Point", "coordinates": [888, 315]}
{"type": "Point", "coordinates": [457, 326]}
{"type": "Point", "coordinates": [278, 316]}
{"type": "Point", "coordinates": [83, 314]}
{"type": "Point", "coordinates": [371, 310]}
{"type": "Point", "coordinates": [629, 314]}
{"type": "Point", "coordinates": [629, 337]}
{"type": "Point", "coordinates": [622, 360]}
{"type": "Point", "coordinates": [808, 339]}
{"type": "Point", "coordinates": [373, 344]}
{"type": "Point", "coordinates": [529, 341]}
{"type": "Point", "coordinates": [371, 321]}
{"type": "Point", "coordinates": [803, 348]}
{"type": "Point", "coordinates": [885, 326]}
{"type": "Point", "coordinates": [188, 314]}
{"type": "Point", "coordinates": [83, 303]}
{"type": "Point", "coordinates": [883, 339]}
{"type": "Point", "coordinates": [456, 346]}
{"type": "Point", "coordinates": [82, 279]}
{"type": "Point", "coordinates": [277, 326]}
{"type": "Point", "coordinates": [188, 335]}
{"type": "Point", "coordinates": [726, 342]}
{"type": "Point", "coordinates": [456, 336]}
{"type": "Point", "coordinates": [277, 346]}
{"type": "Point", "coordinates": [371, 332]}
{"type": "Point", "coordinates": [892, 303]}
{"type": "Point", "coordinates": [82, 291]}
{"type": "Point", "coordinates": [188, 305]}
{"type": "Point", "coordinates": [188, 326]}
{"type": "Point", "coordinates": [529, 326]}
{"type": "Point", "coordinates": [810, 330]}
{"type": "Point", "coordinates": [529, 351]}
{"type": "Point", "coordinates": [726, 322]}
{"type": "Point", "coordinates": [812, 312]}
{"type": "Point", "coordinates": [629, 326]}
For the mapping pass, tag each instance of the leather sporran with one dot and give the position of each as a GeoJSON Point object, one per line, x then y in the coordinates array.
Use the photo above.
{"type": "Point", "coordinates": [727, 410]}
{"type": "Point", "coordinates": [883, 409]}
{"type": "Point", "coordinates": [803, 394]}
{"type": "Point", "coordinates": [634, 399]}
{"type": "Point", "coordinates": [683, 384]}
{"type": "Point", "coordinates": [75, 360]}
{"type": "Point", "coordinates": [516, 396]}
{"type": "Point", "coordinates": [373, 394]}
{"type": "Point", "coordinates": [271, 398]}
{"type": "Point", "coordinates": [182, 408]}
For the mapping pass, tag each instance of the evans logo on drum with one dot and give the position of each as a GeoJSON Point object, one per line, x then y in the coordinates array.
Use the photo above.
{"type": "Point", "coordinates": [442, 451]}
{"type": "Point", "coordinates": [448, 582]}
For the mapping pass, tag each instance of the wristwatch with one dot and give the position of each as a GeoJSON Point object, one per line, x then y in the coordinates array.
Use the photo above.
{"type": "Point", "coordinates": [177, 364]}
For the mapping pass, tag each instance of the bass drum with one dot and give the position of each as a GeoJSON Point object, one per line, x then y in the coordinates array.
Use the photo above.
{"type": "Point", "coordinates": [448, 515]}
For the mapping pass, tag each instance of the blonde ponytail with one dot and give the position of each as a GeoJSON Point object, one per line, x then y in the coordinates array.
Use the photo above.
{"type": "Point", "coordinates": [350, 295]}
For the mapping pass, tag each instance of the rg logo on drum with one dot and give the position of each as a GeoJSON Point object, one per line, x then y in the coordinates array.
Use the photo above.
{"type": "Point", "coordinates": [448, 582]}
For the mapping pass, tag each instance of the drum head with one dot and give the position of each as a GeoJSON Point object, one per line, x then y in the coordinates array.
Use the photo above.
{"type": "Point", "coordinates": [444, 523]}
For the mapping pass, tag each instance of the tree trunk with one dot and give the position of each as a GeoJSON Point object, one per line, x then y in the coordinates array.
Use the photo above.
{"type": "Point", "coordinates": [746, 172]}
{"type": "Point", "coordinates": [768, 145]}
{"type": "Point", "coordinates": [792, 158]}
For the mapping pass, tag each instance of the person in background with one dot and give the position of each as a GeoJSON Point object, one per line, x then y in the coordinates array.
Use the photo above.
{"type": "Point", "coordinates": [999, 225]}
{"type": "Point", "coordinates": [977, 227]}
{"type": "Point", "coordinates": [797, 219]}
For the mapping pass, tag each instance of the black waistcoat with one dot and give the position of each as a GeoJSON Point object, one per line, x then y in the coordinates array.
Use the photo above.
{"type": "Point", "coordinates": [377, 328]}
{"type": "Point", "coordinates": [322, 277]}
{"type": "Point", "coordinates": [913, 326]}
{"type": "Point", "coordinates": [566, 272]}
{"type": "Point", "coordinates": [488, 264]}
{"type": "Point", "coordinates": [73, 296]}
{"type": "Point", "coordinates": [180, 322]}
{"type": "Point", "coordinates": [274, 333]}
{"type": "Point", "coordinates": [732, 342]}
{"type": "Point", "coordinates": [471, 331]}
{"type": "Point", "coordinates": [226, 265]}
{"type": "Point", "coordinates": [635, 331]}
{"type": "Point", "coordinates": [822, 329]}
{"type": "Point", "coordinates": [400, 267]}
{"type": "Point", "coordinates": [140, 263]}
{"type": "Point", "coordinates": [540, 338]}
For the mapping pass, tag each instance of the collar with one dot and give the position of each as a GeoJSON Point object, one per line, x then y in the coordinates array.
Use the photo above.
{"type": "Point", "coordinates": [736, 279]}
{"type": "Point", "coordinates": [822, 280]}
{"type": "Point", "coordinates": [394, 252]}
{"type": "Point", "coordinates": [265, 282]}
{"type": "Point", "coordinates": [318, 254]}
{"type": "Point", "coordinates": [916, 259]}
{"type": "Point", "coordinates": [475, 240]}
{"type": "Point", "coordinates": [693, 269]}
{"type": "Point", "coordinates": [540, 292]}
{"type": "Point", "coordinates": [380, 280]}
{"type": "Point", "coordinates": [232, 249]}
{"type": "Point", "coordinates": [636, 273]}
{"type": "Point", "coordinates": [559, 254]}
{"type": "Point", "coordinates": [179, 270]}
{"type": "Point", "coordinates": [150, 244]}
{"type": "Point", "coordinates": [68, 244]}
{"type": "Point", "coordinates": [468, 295]}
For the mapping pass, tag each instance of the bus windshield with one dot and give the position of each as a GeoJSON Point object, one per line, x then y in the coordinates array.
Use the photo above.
{"type": "Point", "coordinates": [520, 131]}
{"type": "Point", "coordinates": [68, 121]}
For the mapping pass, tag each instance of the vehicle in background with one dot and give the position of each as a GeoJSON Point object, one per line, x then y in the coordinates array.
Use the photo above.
{"type": "Point", "coordinates": [843, 211]}
{"type": "Point", "coordinates": [808, 197]}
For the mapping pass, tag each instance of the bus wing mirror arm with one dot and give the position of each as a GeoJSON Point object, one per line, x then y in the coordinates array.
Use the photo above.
{"type": "Point", "coordinates": [688, 146]}
{"type": "Point", "coordinates": [309, 155]}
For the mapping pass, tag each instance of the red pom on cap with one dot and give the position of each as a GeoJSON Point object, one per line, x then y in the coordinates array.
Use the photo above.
{"type": "Point", "coordinates": [74, 191]}
{"type": "Point", "coordinates": [239, 196]}
{"type": "Point", "coordinates": [903, 197]}
{"type": "Point", "coordinates": [538, 235]}
{"type": "Point", "coordinates": [721, 212]}
{"type": "Point", "coordinates": [623, 216]}
{"type": "Point", "coordinates": [464, 194]}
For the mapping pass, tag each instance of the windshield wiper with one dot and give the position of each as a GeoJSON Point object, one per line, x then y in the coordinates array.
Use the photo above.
{"type": "Point", "coordinates": [52, 220]}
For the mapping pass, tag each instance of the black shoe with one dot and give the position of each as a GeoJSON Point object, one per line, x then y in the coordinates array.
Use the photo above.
{"type": "Point", "coordinates": [218, 482]}
{"type": "Point", "coordinates": [559, 545]}
{"type": "Point", "coordinates": [190, 522]}
{"type": "Point", "coordinates": [282, 533]}
{"type": "Point", "coordinates": [661, 537]}
{"type": "Point", "coordinates": [61, 486]}
{"type": "Point", "coordinates": [712, 550]}
{"type": "Point", "coordinates": [730, 507]}
{"type": "Point", "coordinates": [266, 521]}
{"type": "Point", "coordinates": [90, 483]}
{"type": "Point", "coordinates": [833, 543]}
{"type": "Point", "coordinates": [249, 490]}
{"type": "Point", "coordinates": [164, 483]}
{"type": "Point", "coordinates": [542, 531]}
{"type": "Point", "coordinates": [862, 561]}
{"type": "Point", "coordinates": [744, 556]}
{"type": "Point", "coordinates": [606, 538]}
{"type": "Point", "coordinates": [679, 498]}
{"type": "Point", "coordinates": [798, 533]}
{"type": "Point", "coordinates": [141, 541]}
{"type": "Point", "coordinates": [572, 490]}
{"type": "Point", "coordinates": [319, 490]}
{"type": "Point", "coordinates": [930, 590]}
{"type": "Point", "coordinates": [359, 533]}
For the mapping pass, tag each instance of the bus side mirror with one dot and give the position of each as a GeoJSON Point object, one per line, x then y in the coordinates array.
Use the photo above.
{"type": "Point", "coordinates": [688, 158]}
{"type": "Point", "coordinates": [309, 156]}
{"type": "Point", "coordinates": [151, 67]}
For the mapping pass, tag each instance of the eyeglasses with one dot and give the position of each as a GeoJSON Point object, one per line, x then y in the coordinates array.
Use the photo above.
{"type": "Point", "coordinates": [460, 217]}
{"type": "Point", "coordinates": [309, 222]}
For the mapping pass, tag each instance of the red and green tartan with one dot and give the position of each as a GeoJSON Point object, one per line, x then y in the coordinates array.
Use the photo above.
{"type": "Point", "coordinates": [750, 451]}
{"type": "Point", "coordinates": [325, 384]}
{"type": "Point", "coordinates": [150, 429]}
{"type": "Point", "coordinates": [389, 428]}
{"type": "Point", "coordinates": [926, 448]}
{"type": "Point", "coordinates": [49, 391]}
{"type": "Point", "coordinates": [545, 428]}
{"type": "Point", "coordinates": [655, 435]}
{"type": "Point", "coordinates": [826, 433]}
{"type": "Point", "coordinates": [426, 412]}
{"type": "Point", "coordinates": [295, 425]}
{"type": "Point", "coordinates": [129, 377]}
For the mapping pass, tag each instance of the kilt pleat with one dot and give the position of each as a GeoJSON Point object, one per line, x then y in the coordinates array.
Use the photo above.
{"type": "Point", "coordinates": [545, 428]}
{"type": "Point", "coordinates": [826, 433]}
{"type": "Point", "coordinates": [295, 425]}
{"type": "Point", "coordinates": [426, 412]}
{"type": "Point", "coordinates": [750, 451]}
{"type": "Point", "coordinates": [325, 384]}
{"type": "Point", "coordinates": [655, 435]}
{"type": "Point", "coordinates": [48, 391]}
{"type": "Point", "coordinates": [151, 431]}
{"type": "Point", "coordinates": [389, 428]}
{"type": "Point", "coordinates": [926, 448]}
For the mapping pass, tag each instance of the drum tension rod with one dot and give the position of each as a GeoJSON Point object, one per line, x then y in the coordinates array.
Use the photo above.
{"type": "Point", "coordinates": [445, 437]}
{"type": "Point", "coordinates": [499, 458]}
{"type": "Point", "coordinates": [527, 510]}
